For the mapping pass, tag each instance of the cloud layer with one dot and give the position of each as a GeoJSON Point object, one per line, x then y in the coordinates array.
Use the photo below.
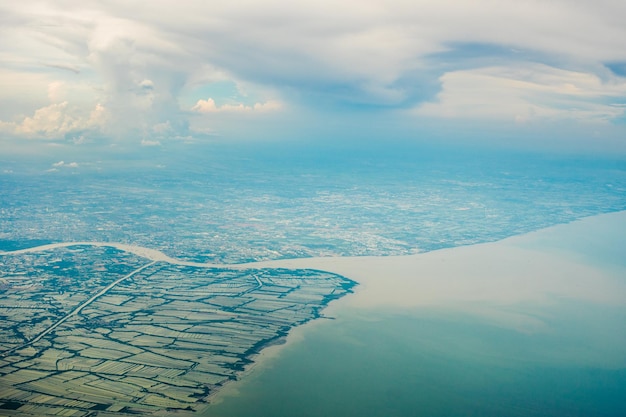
{"type": "Point", "coordinates": [135, 68]}
{"type": "Point", "coordinates": [527, 92]}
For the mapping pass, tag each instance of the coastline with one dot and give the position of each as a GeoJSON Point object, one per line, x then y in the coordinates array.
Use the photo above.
{"type": "Point", "coordinates": [511, 314]}
{"type": "Point", "coordinates": [489, 281]}
{"type": "Point", "coordinates": [503, 283]}
{"type": "Point", "coordinates": [535, 267]}
{"type": "Point", "coordinates": [258, 361]}
{"type": "Point", "coordinates": [483, 279]}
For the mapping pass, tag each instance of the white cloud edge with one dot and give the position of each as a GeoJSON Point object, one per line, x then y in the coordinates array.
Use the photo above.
{"type": "Point", "coordinates": [209, 106]}
{"type": "Point", "coordinates": [65, 164]}
{"type": "Point", "coordinates": [56, 120]}
{"type": "Point", "coordinates": [525, 92]}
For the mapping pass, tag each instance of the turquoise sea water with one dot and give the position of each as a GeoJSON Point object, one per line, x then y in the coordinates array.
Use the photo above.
{"type": "Point", "coordinates": [438, 362]}
{"type": "Point", "coordinates": [420, 363]}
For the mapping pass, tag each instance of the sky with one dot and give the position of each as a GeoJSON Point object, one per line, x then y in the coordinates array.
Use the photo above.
{"type": "Point", "coordinates": [84, 75]}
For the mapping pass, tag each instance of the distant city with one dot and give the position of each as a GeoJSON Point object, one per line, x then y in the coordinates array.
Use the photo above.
{"type": "Point", "coordinates": [230, 210]}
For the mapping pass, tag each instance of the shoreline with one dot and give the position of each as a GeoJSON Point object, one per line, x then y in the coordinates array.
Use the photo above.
{"type": "Point", "coordinates": [480, 279]}
{"type": "Point", "coordinates": [453, 275]}
{"type": "Point", "coordinates": [513, 284]}
{"type": "Point", "coordinates": [258, 361]}
{"type": "Point", "coordinates": [250, 359]}
{"type": "Point", "coordinates": [489, 280]}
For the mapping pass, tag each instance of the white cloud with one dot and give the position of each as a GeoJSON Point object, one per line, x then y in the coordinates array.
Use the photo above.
{"type": "Point", "coordinates": [65, 165]}
{"type": "Point", "coordinates": [524, 93]}
{"type": "Point", "coordinates": [55, 121]}
{"type": "Point", "coordinates": [55, 91]}
{"type": "Point", "coordinates": [49, 121]}
{"type": "Point", "coordinates": [371, 50]}
{"type": "Point", "coordinates": [205, 106]}
{"type": "Point", "coordinates": [146, 85]}
{"type": "Point", "coordinates": [209, 106]}
{"type": "Point", "coordinates": [57, 57]}
{"type": "Point", "coordinates": [162, 128]}
{"type": "Point", "coordinates": [149, 142]}
{"type": "Point", "coordinates": [270, 105]}
{"type": "Point", "coordinates": [21, 92]}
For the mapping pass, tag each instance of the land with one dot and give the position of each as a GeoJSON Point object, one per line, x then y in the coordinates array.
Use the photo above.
{"type": "Point", "coordinates": [90, 328]}
{"type": "Point", "coordinates": [505, 282]}
{"type": "Point", "coordinates": [97, 329]}
{"type": "Point", "coordinates": [223, 207]}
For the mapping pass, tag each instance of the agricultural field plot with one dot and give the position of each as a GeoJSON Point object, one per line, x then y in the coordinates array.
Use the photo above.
{"type": "Point", "coordinates": [37, 289]}
{"type": "Point", "coordinates": [161, 337]}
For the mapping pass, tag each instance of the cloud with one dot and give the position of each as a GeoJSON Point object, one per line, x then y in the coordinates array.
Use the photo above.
{"type": "Point", "coordinates": [526, 92]}
{"type": "Point", "coordinates": [209, 106]}
{"type": "Point", "coordinates": [55, 121]}
{"type": "Point", "coordinates": [71, 68]}
{"type": "Point", "coordinates": [378, 52]}
{"type": "Point", "coordinates": [146, 85]}
{"type": "Point", "coordinates": [49, 121]}
{"type": "Point", "coordinates": [347, 56]}
{"type": "Point", "coordinates": [149, 142]}
{"type": "Point", "coordinates": [65, 165]}
{"type": "Point", "coordinates": [163, 128]}
{"type": "Point", "coordinates": [55, 91]}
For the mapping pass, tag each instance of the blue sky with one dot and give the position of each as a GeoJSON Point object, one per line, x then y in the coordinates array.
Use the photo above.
{"type": "Point", "coordinates": [76, 75]}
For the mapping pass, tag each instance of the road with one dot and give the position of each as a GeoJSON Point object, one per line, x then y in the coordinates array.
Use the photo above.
{"type": "Point", "coordinates": [77, 310]}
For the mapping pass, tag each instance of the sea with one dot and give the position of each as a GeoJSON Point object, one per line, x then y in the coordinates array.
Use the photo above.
{"type": "Point", "coordinates": [231, 204]}
{"type": "Point", "coordinates": [419, 364]}
{"type": "Point", "coordinates": [440, 362]}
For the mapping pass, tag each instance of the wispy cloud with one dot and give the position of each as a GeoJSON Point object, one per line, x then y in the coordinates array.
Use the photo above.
{"type": "Point", "coordinates": [71, 68]}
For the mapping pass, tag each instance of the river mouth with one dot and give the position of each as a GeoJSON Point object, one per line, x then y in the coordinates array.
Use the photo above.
{"type": "Point", "coordinates": [540, 334]}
